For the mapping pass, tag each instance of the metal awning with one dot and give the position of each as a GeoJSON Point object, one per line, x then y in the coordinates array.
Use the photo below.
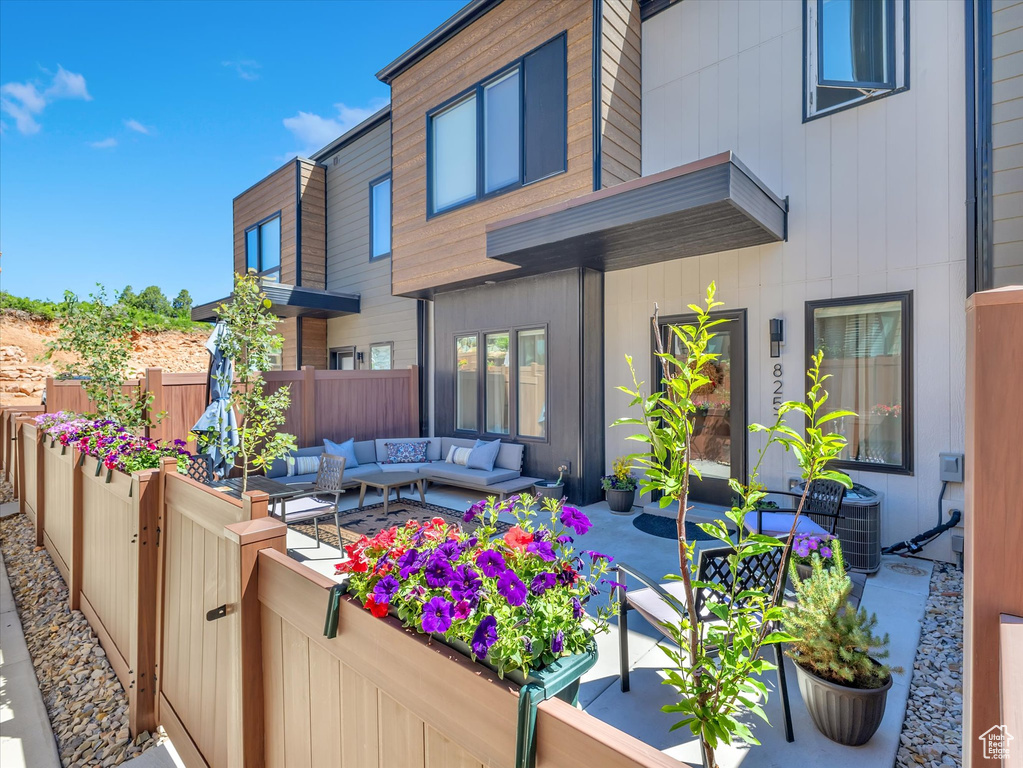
{"type": "Point", "coordinates": [711, 205]}
{"type": "Point", "coordinates": [291, 301]}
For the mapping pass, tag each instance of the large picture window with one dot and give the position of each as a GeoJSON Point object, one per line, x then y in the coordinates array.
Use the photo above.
{"type": "Point", "coordinates": [497, 386]}
{"type": "Point", "coordinates": [856, 50]}
{"type": "Point", "coordinates": [263, 248]}
{"type": "Point", "coordinates": [531, 367]}
{"type": "Point", "coordinates": [467, 375]}
{"type": "Point", "coordinates": [507, 130]}
{"type": "Point", "coordinates": [867, 352]}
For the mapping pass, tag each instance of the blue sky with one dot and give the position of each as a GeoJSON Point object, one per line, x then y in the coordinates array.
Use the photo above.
{"type": "Point", "coordinates": [128, 127]}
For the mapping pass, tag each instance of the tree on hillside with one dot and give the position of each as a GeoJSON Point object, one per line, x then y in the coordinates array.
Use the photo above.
{"type": "Point", "coordinates": [153, 300]}
{"type": "Point", "coordinates": [127, 297]}
{"type": "Point", "coordinates": [182, 303]}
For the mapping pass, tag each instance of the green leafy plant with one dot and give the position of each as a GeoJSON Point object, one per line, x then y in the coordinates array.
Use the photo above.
{"type": "Point", "coordinates": [718, 661]}
{"type": "Point", "coordinates": [141, 318]}
{"type": "Point", "coordinates": [252, 343]}
{"type": "Point", "coordinates": [99, 336]}
{"type": "Point", "coordinates": [828, 638]}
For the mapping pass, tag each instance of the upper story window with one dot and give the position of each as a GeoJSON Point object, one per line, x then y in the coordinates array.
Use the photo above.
{"type": "Point", "coordinates": [866, 345]}
{"type": "Point", "coordinates": [856, 50]}
{"type": "Point", "coordinates": [263, 248]}
{"type": "Point", "coordinates": [380, 217]}
{"type": "Point", "coordinates": [506, 131]}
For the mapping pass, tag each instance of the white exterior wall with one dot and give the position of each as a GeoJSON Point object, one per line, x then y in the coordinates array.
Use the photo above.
{"type": "Point", "coordinates": [876, 197]}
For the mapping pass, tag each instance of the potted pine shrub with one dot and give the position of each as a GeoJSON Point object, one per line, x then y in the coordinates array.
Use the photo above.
{"type": "Point", "coordinates": [513, 603]}
{"type": "Point", "coordinates": [551, 489]}
{"type": "Point", "coordinates": [842, 677]}
{"type": "Point", "coordinates": [619, 487]}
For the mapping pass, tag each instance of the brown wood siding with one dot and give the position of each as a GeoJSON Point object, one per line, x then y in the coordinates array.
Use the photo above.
{"type": "Point", "coordinates": [452, 246]}
{"type": "Point", "coordinates": [621, 92]}
{"type": "Point", "coordinates": [288, 328]}
{"type": "Point", "coordinates": [274, 193]}
{"type": "Point", "coordinates": [314, 342]}
{"type": "Point", "coordinates": [314, 226]}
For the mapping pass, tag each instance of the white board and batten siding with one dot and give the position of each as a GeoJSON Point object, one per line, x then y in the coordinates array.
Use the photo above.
{"type": "Point", "coordinates": [383, 317]}
{"type": "Point", "coordinates": [876, 198]}
{"type": "Point", "coordinates": [1007, 140]}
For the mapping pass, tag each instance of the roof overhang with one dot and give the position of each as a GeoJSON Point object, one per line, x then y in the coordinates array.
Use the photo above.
{"type": "Point", "coordinates": [291, 301]}
{"type": "Point", "coordinates": [711, 205]}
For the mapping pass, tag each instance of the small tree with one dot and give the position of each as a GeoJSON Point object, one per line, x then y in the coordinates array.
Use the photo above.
{"type": "Point", "coordinates": [182, 303]}
{"type": "Point", "coordinates": [99, 335]}
{"type": "Point", "coordinates": [719, 661]}
{"type": "Point", "coordinates": [152, 300]}
{"type": "Point", "coordinates": [251, 344]}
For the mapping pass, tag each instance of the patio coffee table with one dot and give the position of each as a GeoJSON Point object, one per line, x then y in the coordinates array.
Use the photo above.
{"type": "Point", "coordinates": [385, 481]}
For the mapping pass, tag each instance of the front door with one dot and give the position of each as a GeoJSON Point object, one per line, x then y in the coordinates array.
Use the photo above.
{"type": "Point", "coordinates": [718, 450]}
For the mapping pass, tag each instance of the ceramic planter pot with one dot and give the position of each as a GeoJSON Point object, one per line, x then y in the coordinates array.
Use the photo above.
{"type": "Point", "coordinates": [620, 501]}
{"type": "Point", "coordinates": [849, 716]}
{"type": "Point", "coordinates": [555, 492]}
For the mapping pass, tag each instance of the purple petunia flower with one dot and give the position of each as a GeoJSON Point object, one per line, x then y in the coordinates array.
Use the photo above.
{"type": "Point", "coordinates": [577, 608]}
{"type": "Point", "coordinates": [436, 615]}
{"type": "Point", "coordinates": [564, 539]}
{"type": "Point", "coordinates": [438, 571]}
{"type": "Point", "coordinates": [511, 588]}
{"type": "Point", "coordinates": [558, 642]}
{"type": "Point", "coordinates": [527, 645]}
{"type": "Point", "coordinates": [474, 511]}
{"type": "Point", "coordinates": [450, 549]}
{"type": "Point", "coordinates": [385, 589]}
{"type": "Point", "coordinates": [614, 584]}
{"type": "Point", "coordinates": [491, 563]}
{"type": "Point", "coordinates": [542, 582]}
{"type": "Point", "coordinates": [825, 552]}
{"type": "Point", "coordinates": [409, 563]}
{"type": "Point", "coordinates": [465, 583]}
{"type": "Point", "coordinates": [462, 609]}
{"type": "Point", "coordinates": [595, 556]}
{"type": "Point", "coordinates": [543, 550]}
{"type": "Point", "coordinates": [576, 520]}
{"type": "Point", "coordinates": [484, 636]}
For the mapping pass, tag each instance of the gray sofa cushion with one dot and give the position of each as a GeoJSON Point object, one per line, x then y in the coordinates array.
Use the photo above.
{"type": "Point", "coordinates": [432, 452]}
{"type": "Point", "coordinates": [366, 452]}
{"type": "Point", "coordinates": [408, 466]}
{"type": "Point", "coordinates": [361, 471]}
{"type": "Point", "coordinates": [483, 455]}
{"type": "Point", "coordinates": [509, 457]}
{"type": "Point", "coordinates": [441, 471]}
{"type": "Point", "coordinates": [299, 479]}
{"type": "Point", "coordinates": [280, 467]}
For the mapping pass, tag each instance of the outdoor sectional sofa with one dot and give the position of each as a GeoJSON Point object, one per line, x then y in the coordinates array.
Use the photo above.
{"type": "Point", "coordinates": [505, 478]}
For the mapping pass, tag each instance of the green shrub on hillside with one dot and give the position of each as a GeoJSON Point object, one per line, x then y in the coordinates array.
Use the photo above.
{"type": "Point", "coordinates": [138, 307]}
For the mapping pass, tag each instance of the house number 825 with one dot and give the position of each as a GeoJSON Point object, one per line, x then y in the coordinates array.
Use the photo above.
{"type": "Point", "coordinates": [776, 373]}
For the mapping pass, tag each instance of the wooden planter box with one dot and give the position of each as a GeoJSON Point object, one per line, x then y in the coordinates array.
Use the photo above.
{"type": "Point", "coordinates": [29, 450]}
{"type": "Point", "coordinates": [57, 505]}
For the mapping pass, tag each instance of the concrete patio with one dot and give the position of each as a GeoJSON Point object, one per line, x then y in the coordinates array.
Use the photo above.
{"type": "Point", "coordinates": [897, 594]}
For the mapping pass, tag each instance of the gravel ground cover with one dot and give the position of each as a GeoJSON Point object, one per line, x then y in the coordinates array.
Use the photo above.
{"type": "Point", "coordinates": [86, 704]}
{"type": "Point", "coordinates": [933, 730]}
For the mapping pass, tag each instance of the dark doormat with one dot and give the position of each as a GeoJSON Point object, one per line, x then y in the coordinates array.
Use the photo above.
{"type": "Point", "coordinates": [665, 528]}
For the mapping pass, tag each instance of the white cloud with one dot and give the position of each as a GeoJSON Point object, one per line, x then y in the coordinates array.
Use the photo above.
{"type": "Point", "coordinates": [135, 125]}
{"type": "Point", "coordinates": [315, 131]}
{"type": "Point", "coordinates": [104, 144]}
{"type": "Point", "coordinates": [245, 68]}
{"type": "Point", "coordinates": [24, 102]}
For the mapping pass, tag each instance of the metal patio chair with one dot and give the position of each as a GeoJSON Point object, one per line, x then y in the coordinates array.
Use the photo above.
{"type": "Point", "coordinates": [820, 516]}
{"type": "Point", "coordinates": [200, 468]}
{"type": "Point", "coordinates": [323, 497]}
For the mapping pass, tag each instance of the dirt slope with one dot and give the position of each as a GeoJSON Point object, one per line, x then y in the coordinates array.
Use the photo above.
{"type": "Point", "coordinates": [23, 340]}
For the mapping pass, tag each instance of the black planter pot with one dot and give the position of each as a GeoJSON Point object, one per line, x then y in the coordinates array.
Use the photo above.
{"type": "Point", "coordinates": [619, 501]}
{"type": "Point", "coordinates": [543, 491]}
{"type": "Point", "coordinates": [849, 716]}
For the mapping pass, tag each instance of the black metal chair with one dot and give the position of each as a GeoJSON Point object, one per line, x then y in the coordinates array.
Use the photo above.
{"type": "Point", "coordinates": [657, 603]}
{"type": "Point", "coordinates": [200, 468]}
{"type": "Point", "coordinates": [324, 493]}
{"type": "Point", "coordinates": [821, 512]}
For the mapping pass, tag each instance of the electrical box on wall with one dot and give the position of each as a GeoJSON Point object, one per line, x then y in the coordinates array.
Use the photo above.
{"type": "Point", "coordinates": [950, 467]}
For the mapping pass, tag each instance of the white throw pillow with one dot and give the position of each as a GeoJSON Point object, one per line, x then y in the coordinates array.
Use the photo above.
{"type": "Point", "coordinates": [303, 465]}
{"type": "Point", "coordinates": [458, 455]}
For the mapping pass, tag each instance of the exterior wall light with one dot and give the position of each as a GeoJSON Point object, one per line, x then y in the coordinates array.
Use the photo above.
{"type": "Point", "coordinates": [777, 336]}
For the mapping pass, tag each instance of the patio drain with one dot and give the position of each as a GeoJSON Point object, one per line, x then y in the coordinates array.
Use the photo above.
{"type": "Point", "coordinates": [908, 570]}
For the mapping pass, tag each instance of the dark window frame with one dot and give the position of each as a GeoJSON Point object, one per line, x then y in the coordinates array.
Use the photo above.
{"type": "Point", "coordinates": [389, 344]}
{"type": "Point", "coordinates": [906, 299]}
{"type": "Point", "coordinates": [866, 99]}
{"type": "Point", "coordinates": [258, 226]}
{"type": "Point", "coordinates": [477, 90]}
{"type": "Point", "coordinates": [339, 351]}
{"type": "Point", "coordinates": [372, 184]}
{"type": "Point", "coordinates": [513, 385]}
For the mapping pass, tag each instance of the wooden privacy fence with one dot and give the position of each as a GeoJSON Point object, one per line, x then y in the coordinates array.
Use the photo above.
{"type": "Point", "coordinates": [993, 674]}
{"type": "Point", "coordinates": [9, 415]}
{"type": "Point", "coordinates": [181, 397]}
{"type": "Point", "coordinates": [338, 405]}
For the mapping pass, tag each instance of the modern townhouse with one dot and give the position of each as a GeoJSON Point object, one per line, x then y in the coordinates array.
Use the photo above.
{"type": "Point", "coordinates": [846, 173]}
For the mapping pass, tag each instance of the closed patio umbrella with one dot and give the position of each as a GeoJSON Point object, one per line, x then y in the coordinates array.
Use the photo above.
{"type": "Point", "coordinates": [218, 426]}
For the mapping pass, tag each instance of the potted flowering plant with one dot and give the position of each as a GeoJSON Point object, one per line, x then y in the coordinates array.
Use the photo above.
{"type": "Point", "coordinates": [515, 603]}
{"type": "Point", "coordinates": [619, 487]}
{"type": "Point", "coordinates": [805, 546]}
{"type": "Point", "coordinates": [551, 489]}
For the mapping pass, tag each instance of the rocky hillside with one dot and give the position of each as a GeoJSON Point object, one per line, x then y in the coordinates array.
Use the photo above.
{"type": "Point", "coordinates": [23, 340]}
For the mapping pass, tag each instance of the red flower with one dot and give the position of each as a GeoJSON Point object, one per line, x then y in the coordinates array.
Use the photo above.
{"type": "Point", "coordinates": [377, 609]}
{"type": "Point", "coordinates": [517, 538]}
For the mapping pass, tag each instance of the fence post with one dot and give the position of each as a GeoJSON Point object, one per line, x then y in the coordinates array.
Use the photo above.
{"type": "Point", "coordinates": [245, 714]}
{"type": "Point", "coordinates": [308, 406]}
{"type": "Point", "coordinates": [50, 394]}
{"type": "Point", "coordinates": [40, 489]}
{"type": "Point", "coordinates": [74, 587]}
{"type": "Point", "coordinates": [146, 499]}
{"type": "Point", "coordinates": [413, 390]}
{"type": "Point", "coordinates": [154, 384]}
{"type": "Point", "coordinates": [19, 476]}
